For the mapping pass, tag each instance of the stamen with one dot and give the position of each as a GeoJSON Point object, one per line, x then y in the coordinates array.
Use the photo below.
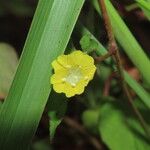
{"type": "Point", "coordinates": [63, 79]}
{"type": "Point", "coordinates": [73, 84]}
{"type": "Point", "coordinates": [74, 76]}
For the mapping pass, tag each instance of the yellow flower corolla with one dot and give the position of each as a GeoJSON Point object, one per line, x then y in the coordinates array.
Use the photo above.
{"type": "Point", "coordinates": [72, 73]}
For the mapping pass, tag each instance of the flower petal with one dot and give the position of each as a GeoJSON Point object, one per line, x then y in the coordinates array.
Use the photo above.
{"type": "Point", "coordinates": [81, 59]}
{"type": "Point", "coordinates": [57, 66]}
{"type": "Point", "coordinates": [78, 89]}
{"type": "Point", "coordinates": [65, 61]}
{"type": "Point", "coordinates": [88, 72]}
{"type": "Point", "coordinates": [59, 87]}
{"type": "Point", "coordinates": [58, 77]}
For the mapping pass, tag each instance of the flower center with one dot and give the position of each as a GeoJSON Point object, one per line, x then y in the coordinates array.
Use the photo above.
{"type": "Point", "coordinates": [74, 76]}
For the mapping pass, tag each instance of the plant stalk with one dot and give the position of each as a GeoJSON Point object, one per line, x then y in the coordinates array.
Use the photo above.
{"type": "Point", "coordinates": [116, 56]}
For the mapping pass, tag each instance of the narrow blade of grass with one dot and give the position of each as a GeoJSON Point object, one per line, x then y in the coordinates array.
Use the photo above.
{"type": "Point", "coordinates": [127, 41]}
{"type": "Point", "coordinates": [49, 34]}
{"type": "Point", "coordinates": [139, 90]}
{"type": "Point", "coordinates": [145, 6]}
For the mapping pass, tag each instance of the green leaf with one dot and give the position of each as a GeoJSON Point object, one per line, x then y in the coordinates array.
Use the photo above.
{"type": "Point", "coordinates": [145, 6]}
{"type": "Point", "coordinates": [127, 40]}
{"type": "Point", "coordinates": [8, 64]}
{"type": "Point", "coordinates": [88, 44]}
{"type": "Point", "coordinates": [50, 31]}
{"type": "Point", "coordinates": [120, 132]}
{"type": "Point", "coordinates": [140, 91]}
{"type": "Point", "coordinates": [57, 106]}
{"type": "Point", "coordinates": [41, 145]}
{"type": "Point", "coordinates": [90, 119]}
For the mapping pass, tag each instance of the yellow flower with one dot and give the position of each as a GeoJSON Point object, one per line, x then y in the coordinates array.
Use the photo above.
{"type": "Point", "coordinates": [72, 73]}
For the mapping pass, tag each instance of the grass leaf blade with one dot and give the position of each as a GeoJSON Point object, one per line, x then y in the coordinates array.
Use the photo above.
{"type": "Point", "coordinates": [127, 40]}
{"type": "Point", "coordinates": [49, 34]}
{"type": "Point", "coordinates": [139, 90]}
